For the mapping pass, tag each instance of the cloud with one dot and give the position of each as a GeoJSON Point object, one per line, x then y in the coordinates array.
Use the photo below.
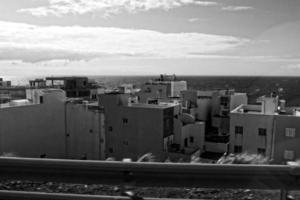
{"type": "Point", "coordinates": [237, 8]}
{"type": "Point", "coordinates": [108, 7]}
{"type": "Point", "coordinates": [292, 67]}
{"type": "Point", "coordinates": [31, 43]}
{"type": "Point", "coordinates": [193, 19]}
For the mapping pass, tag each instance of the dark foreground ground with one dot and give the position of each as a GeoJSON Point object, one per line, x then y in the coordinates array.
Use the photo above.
{"type": "Point", "coordinates": [158, 192]}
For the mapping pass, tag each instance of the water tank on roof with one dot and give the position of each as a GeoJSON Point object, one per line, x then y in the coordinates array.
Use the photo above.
{"type": "Point", "coordinates": [281, 106]}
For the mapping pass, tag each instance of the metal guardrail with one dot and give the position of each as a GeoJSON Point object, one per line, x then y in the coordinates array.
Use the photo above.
{"type": "Point", "coordinates": [281, 177]}
{"type": "Point", "coordinates": [17, 195]}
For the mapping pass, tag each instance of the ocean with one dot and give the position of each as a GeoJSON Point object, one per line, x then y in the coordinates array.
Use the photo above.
{"type": "Point", "coordinates": [288, 88]}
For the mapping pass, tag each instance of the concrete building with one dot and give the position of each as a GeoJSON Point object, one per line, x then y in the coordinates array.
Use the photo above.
{"type": "Point", "coordinates": [286, 137]}
{"type": "Point", "coordinates": [94, 92]}
{"type": "Point", "coordinates": [213, 107]}
{"type": "Point", "coordinates": [223, 102]}
{"type": "Point", "coordinates": [133, 129]}
{"type": "Point", "coordinates": [189, 136]}
{"type": "Point", "coordinates": [199, 103]}
{"type": "Point", "coordinates": [5, 84]}
{"type": "Point", "coordinates": [9, 92]}
{"type": "Point", "coordinates": [251, 130]}
{"type": "Point", "coordinates": [126, 88]}
{"type": "Point", "coordinates": [161, 88]}
{"type": "Point", "coordinates": [35, 130]}
{"type": "Point", "coordinates": [46, 124]}
{"type": "Point", "coordinates": [266, 129]}
{"type": "Point", "coordinates": [74, 86]}
{"type": "Point", "coordinates": [37, 83]}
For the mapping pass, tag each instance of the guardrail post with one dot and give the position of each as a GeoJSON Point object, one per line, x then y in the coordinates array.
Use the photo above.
{"type": "Point", "coordinates": [284, 195]}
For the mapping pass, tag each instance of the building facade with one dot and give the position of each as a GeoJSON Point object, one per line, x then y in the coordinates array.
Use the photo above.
{"type": "Point", "coordinates": [133, 129]}
{"type": "Point", "coordinates": [47, 124]}
{"type": "Point", "coordinates": [267, 129]}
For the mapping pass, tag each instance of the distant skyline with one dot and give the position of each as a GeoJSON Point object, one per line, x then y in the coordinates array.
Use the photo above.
{"type": "Point", "coordinates": [148, 37]}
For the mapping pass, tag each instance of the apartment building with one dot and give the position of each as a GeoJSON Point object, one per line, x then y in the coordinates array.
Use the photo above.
{"type": "Point", "coordinates": [161, 88]}
{"type": "Point", "coordinates": [5, 84]}
{"type": "Point", "coordinates": [223, 102]}
{"type": "Point", "coordinates": [47, 124]}
{"type": "Point", "coordinates": [199, 103]}
{"type": "Point", "coordinates": [251, 130]}
{"type": "Point", "coordinates": [213, 108]}
{"type": "Point", "coordinates": [31, 129]}
{"type": "Point", "coordinates": [269, 129]}
{"type": "Point", "coordinates": [133, 129]}
{"type": "Point", "coordinates": [286, 137]}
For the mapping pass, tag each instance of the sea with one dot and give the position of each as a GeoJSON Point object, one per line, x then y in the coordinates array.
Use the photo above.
{"type": "Point", "coordinates": [287, 88]}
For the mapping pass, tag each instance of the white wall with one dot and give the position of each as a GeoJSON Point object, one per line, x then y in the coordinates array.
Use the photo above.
{"type": "Point", "coordinates": [196, 130]}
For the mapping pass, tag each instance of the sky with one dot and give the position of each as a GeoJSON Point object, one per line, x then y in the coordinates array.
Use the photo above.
{"type": "Point", "coordinates": [149, 37]}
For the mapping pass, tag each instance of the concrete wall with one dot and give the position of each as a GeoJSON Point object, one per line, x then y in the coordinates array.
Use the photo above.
{"type": "Point", "coordinates": [195, 130]}
{"type": "Point", "coordinates": [34, 130]}
{"type": "Point", "coordinates": [282, 142]}
{"type": "Point", "coordinates": [203, 111]}
{"type": "Point", "coordinates": [201, 100]}
{"type": "Point", "coordinates": [216, 147]}
{"type": "Point", "coordinates": [84, 130]}
{"type": "Point", "coordinates": [250, 140]}
{"type": "Point", "coordinates": [238, 99]}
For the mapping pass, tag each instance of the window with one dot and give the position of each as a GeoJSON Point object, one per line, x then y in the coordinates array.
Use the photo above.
{"type": "Point", "coordinates": [110, 150]}
{"type": "Point", "coordinates": [110, 128]}
{"type": "Point", "coordinates": [148, 90]}
{"type": "Point", "coordinates": [125, 143]}
{"type": "Point", "coordinates": [191, 139]}
{"type": "Point", "coordinates": [91, 130]}
{"type": "Point", "coordinates": [41, 99]}
{"type": "Point", "coordinates": [261, 151]}
{"type": "Point", "coordinates": [262, 131]}
{"type": "Point", "coordinates": [238, 149]}
{"type": "Point", "coordinates": [225, 113]}
{"type": "Point", "coordinates": [224, 101]}
{"type": "Point", "coordinates": [125, 121]}
{"type": "Point", "coordinates": [290, 132]}
{"type": "Point", "coordinates": [239, 130]}
{"type": "Point", "coordinates": [185, 142]}
{"type": "Point", "coordinates": [288, 155]}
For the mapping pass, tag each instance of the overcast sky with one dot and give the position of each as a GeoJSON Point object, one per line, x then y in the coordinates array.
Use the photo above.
{"type": "Point", "coordinates": [149, 37]}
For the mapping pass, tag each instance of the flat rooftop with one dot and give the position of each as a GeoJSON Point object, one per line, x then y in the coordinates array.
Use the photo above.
{"type": "Point", "coordinates": [65, 77]}
{"type": "Point", "coordinates": [153, 106]}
